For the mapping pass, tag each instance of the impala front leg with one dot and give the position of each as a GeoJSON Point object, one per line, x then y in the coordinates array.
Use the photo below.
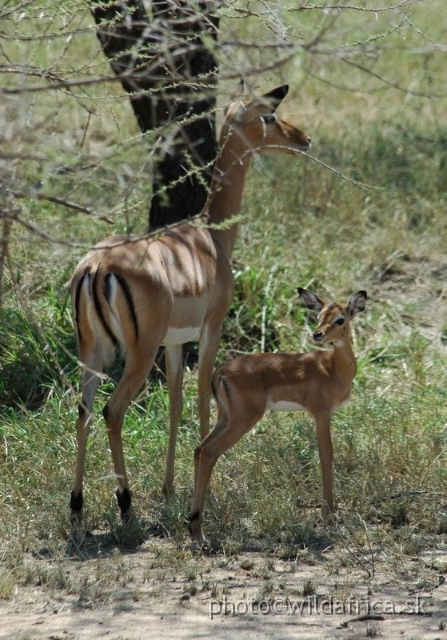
{"type": "Point", "coordinates": [208, 348]}
{"type": "Point", "coordinates": [326, 453]}
{"type": "Point", "coordinates": [174, 373]}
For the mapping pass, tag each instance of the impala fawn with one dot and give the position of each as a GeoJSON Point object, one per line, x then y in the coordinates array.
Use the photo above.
{"type": "Point", "coordinates": [317, 382]}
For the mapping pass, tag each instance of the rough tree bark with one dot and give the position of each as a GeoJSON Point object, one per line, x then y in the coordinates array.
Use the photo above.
{"type": "Point", "coordinates": [167, 67]}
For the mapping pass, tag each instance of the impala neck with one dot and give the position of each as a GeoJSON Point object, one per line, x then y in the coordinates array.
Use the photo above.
{"type": "Point", "coordinates": [344, 361]}
{"type": "Point", "coordinates": [225, 198]}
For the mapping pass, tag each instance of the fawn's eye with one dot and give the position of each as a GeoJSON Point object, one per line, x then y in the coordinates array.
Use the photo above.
{"type": "Point", "coordinates": [339, 321]}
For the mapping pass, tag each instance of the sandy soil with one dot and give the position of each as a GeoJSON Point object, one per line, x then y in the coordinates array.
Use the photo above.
{"type": "Point", "coordinates": [157, 591]}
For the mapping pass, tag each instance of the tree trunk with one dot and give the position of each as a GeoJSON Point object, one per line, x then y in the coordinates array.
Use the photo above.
{"type": "Point", "coordinates": [171, 75]}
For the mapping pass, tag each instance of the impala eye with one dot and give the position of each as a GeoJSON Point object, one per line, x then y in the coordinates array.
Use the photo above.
{"type": "Point", "coordinates": [339, 321]}
{"type": "Point", "coordinates": [270, 119]}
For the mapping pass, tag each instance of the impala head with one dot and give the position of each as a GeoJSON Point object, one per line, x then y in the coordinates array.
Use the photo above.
{"type": "Point", "coordinates": [333, 318]}
{"type": "Point", "coordinates": [255, 120]}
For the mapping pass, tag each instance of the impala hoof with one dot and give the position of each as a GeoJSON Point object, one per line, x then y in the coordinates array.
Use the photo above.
{"type": "Point", "coordinates": [77, 532]}
{"type": "Point", "coordinates": [194, 524]}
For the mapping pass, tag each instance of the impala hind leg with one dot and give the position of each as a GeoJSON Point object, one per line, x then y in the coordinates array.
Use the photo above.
{"type": "Point", "coordinates": [90, 381]}
{"type": "Point", "coordinates": [227, 432]}
{"type": "Point", "coordinates": [205, 457]}
{"type": "Point", "coordinates": [136, 369]}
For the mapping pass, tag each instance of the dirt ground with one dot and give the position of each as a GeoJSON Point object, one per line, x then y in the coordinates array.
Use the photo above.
{"type": "Point", "coordinates": [157, 591]}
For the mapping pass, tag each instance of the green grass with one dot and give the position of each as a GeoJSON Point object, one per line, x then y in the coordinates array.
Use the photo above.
{"type": "Point", "coordinates": [303, 226]}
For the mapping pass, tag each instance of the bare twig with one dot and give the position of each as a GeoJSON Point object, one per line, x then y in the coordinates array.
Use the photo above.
{"type": "Point", "coordinates": [64, 203]}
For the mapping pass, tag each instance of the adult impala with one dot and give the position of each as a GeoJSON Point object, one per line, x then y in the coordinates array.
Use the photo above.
{"type": "Point", "coordinates": [317, 382]}
{"type": "Point", "coordinates": [138, 292]}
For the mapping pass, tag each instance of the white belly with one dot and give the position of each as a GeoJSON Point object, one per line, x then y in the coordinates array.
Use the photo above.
{"type": "Point", "coordinates": [180, 336]}
{"type": "Point", "coordinates": [284, 405]}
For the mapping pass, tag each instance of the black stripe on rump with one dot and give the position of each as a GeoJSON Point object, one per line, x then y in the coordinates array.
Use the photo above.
{"type": "Point", "coordinates": [77, 306]}
{"type": "Point", "coordinates": [128, 295]}
{"type": "Point", "coordinates": [100, 312]}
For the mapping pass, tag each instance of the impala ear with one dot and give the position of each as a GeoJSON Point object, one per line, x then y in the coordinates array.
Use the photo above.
{"type": "Point", "coordinates": [357, 303]}
{"type": "Point", "coordinates": [311, 301]}
{"type": "Point", "coordinates": [275, 97]}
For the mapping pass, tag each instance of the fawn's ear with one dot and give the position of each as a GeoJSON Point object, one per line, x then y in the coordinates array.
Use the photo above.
{"type": "Point", "coordinates": [357, 303]}
{"type": "Point", "coordinates": [311, 301]}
